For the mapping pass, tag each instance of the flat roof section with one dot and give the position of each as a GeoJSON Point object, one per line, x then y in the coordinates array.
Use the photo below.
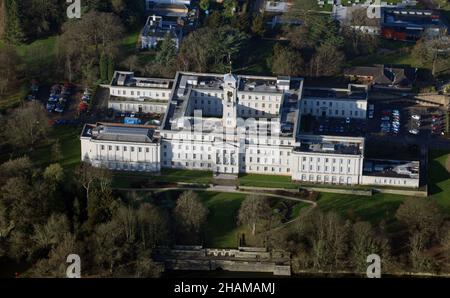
{"type": "Point", "coordinates": [391, 168]}
{"type": "Point", "coordinates": [120, 133]}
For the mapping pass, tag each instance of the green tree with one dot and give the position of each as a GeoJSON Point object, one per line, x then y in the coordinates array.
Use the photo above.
{"type": "Point", "coordinates": [208, 49]}
{"type": "Point", "coordinates": [214, 20]}
{"type": "Point", "coordinates": [204, 4]}
{"type": "Point", "coordinates": [258, 26]}
{"type": "Point", "coordinates": [54, 174]}
{"type": "Point", "coordinates": [230, 7]}
{"type": "Point", "coordinates": [167, 51]}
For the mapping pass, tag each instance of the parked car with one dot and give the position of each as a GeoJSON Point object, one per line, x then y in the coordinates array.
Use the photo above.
{"type": "Point", "coordinates": [50, 106]}
{"type": "Point", "coordinates": [414, 131]}
{"type": "Point", "coordinates": [53, 98]}
{"type": "Point", "coordinates": [31, 97]}
{"type": "Point", "coordinates": [59, 108]}
{"type": "Point", "coordinates": [415, 117]}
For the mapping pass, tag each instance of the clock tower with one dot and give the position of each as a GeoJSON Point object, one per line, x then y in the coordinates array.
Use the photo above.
{"type": "Point", "coordinates": [230, 101]}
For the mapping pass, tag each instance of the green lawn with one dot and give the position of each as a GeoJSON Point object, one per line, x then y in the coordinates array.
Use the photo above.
{"type": "Point", "coordinates": [296, 209]}
{"type": "Point", "coordinates": [128, 179]}
{"type": "Point", "coordinates": [439, 177]}
{"type": "Point", "coordinates": [38, 57]}
{"type": "Point", "coordinates": [13, 98]}
{"type": "Point", "coordinates": [39, 52]}
{"type": "Point", "coordinates": [356, 208]}
{"type": "Point", "coordinates": [221, 228]}
{"type": "Point", "coordinates": [275, 181]}
{"type": "Point", "coordinates": [129, 43]}
{"type": "Point", "coordinates": [267, 181]}
{"type": "Point", "coordinates": [383, 206]}
{"type": "Point", "coordinates": [70, 146]}
{"type": "Point", "coordinates": [399, 57]}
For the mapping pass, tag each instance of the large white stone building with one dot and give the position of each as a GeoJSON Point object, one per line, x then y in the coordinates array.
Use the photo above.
{"type": "Point", "coordinates": [238, 124]}
{"type": "Point", "coordinates": [136, 94]}
{"type": "Point", "coordinates": [335, 102]}
{"type": "Point", "coordinates": [121, 147]}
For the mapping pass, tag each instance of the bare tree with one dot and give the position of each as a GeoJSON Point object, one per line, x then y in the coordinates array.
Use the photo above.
{"type": "Point", "coordinates": [420, 215]}
{"type": "Point", "coordinates": [26, 126]}
{"type": "Point", "coordinates": [88, 175]}
{"type": "Point", "coordinates": [152, 225]}
{"type": "Point", "coordinates": [190, 212]}
{"type": "Point", "coordinates": [434, 53]}
{"type": "Point", "coordinates": [253, 211]}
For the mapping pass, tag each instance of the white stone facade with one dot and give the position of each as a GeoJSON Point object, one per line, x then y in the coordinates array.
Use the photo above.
{"type": "Point", "coordinates": [241, 124]}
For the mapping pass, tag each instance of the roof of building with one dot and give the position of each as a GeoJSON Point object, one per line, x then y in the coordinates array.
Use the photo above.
{"type": "Point", "coordinates": [330, 144]}
{"type": "Point", "coordinates": [353, 92]}
{"type": "Point", "coordinates": [187, 84]}
{"type": "Point", "coordinates": [120, 133]}
{"type": "Point", "coordinates": [127, 79]}
{"type": "Point", "coordinates": [391, 168]}
{"type": "Point", "coordinates": [410, 18]}
{"type": "Point", "coordinates": [384, 75]}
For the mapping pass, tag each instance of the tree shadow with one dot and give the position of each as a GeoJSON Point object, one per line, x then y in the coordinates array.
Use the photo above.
{"type": "Point", "coordinates": [437, 173]}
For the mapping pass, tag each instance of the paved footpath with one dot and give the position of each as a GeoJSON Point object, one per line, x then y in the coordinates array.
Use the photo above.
{"type": "Point", "coordinates": [222, 189]}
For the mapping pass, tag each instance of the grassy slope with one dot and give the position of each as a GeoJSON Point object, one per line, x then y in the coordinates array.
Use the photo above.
{"type": "Point", "coordinates": [383, 206]}
{"type": "Point", "coordinates": [439, 177]}
{"type": "Point", "coordinates": [222, 230]}
{"type": "Point", "coordinates": [223, 208]}
{"type": "Point", "coordinates": [353, 207]}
